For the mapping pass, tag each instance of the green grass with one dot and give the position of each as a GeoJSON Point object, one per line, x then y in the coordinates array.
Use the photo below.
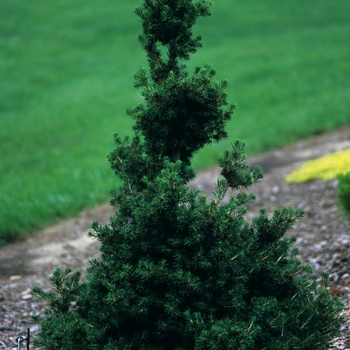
{"type": "Point", "coordinates": [66, 79]}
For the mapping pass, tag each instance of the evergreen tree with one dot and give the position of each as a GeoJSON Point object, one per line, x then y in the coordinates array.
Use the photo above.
{"type": "Point", "coordinates": [179, 270]}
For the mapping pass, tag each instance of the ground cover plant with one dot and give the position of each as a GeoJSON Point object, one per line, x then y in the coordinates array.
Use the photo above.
{"type": "Point", "coordinates": [179, 270]}
{"type": "Point", "coordinates": [323, 168]}
{"type": "Point", "coordinates": [64, 86]}
{"type": "Point", "coordinates": [343, 195]}
{"type": "Point", "coordinates": [330, 167]}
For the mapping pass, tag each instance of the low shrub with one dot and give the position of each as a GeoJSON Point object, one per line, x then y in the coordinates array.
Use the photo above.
{"type": "Point", "coordinates": [343, 195]}
{"type": "Point", "coordinates": [178, 270]}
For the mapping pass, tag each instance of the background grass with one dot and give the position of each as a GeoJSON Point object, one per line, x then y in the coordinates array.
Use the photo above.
{"type": "Point", "coordinates": [66, 72]}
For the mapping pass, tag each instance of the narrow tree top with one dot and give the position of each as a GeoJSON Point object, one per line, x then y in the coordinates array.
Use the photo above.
{"type": "Point", "coordinates": [182, 112]}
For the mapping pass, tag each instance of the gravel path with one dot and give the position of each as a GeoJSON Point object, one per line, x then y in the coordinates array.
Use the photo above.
{"type": "Point", "coordinates": [323, 237]}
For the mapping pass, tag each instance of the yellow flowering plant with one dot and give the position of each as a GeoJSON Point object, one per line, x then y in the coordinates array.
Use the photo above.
{"type": "Point", "coordinates": [323, 168]}
{"type": "Point", "coordinates": [334, 166]}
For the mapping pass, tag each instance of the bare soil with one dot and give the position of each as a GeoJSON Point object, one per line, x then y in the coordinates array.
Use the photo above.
{"type": "Point", "coordinates": [323, 237]}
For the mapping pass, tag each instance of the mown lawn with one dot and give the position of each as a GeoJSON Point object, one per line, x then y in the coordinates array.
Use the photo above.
{"type": "Point", "coordinates": [66, 79]}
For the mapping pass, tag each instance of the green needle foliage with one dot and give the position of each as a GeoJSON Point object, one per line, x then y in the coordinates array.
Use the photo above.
{"type": "Point", "coordinates": [343, 194]}
{"type": "Point", "coordinates": [179, 270]}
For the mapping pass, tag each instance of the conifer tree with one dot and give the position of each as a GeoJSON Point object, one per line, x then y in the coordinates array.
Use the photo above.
{"type": "Point", "coordinates": [179, 270]}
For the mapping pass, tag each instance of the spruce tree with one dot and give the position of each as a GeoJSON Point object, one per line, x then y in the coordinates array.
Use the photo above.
{"type": "Point", "coordinates": [179, 270]}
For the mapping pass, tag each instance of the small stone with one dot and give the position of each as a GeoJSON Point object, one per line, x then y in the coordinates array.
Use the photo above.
{"type": "Point", "coordinates": [345, 276]}
{"type": "Point", "coordinates": [15, 278]}
{"type": "Point", "coordinates": [275, 189]}
{"type": "Point", "coordinates": [334, 277]}
{"type": "Point", "coordinates": [321, 245]}
{"type": "Point", "coordinates": [27, 296]}
{"type": "Point", "coordinates": [27, 291]}
{"type": "Point", "coordinates": [343, 270]}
